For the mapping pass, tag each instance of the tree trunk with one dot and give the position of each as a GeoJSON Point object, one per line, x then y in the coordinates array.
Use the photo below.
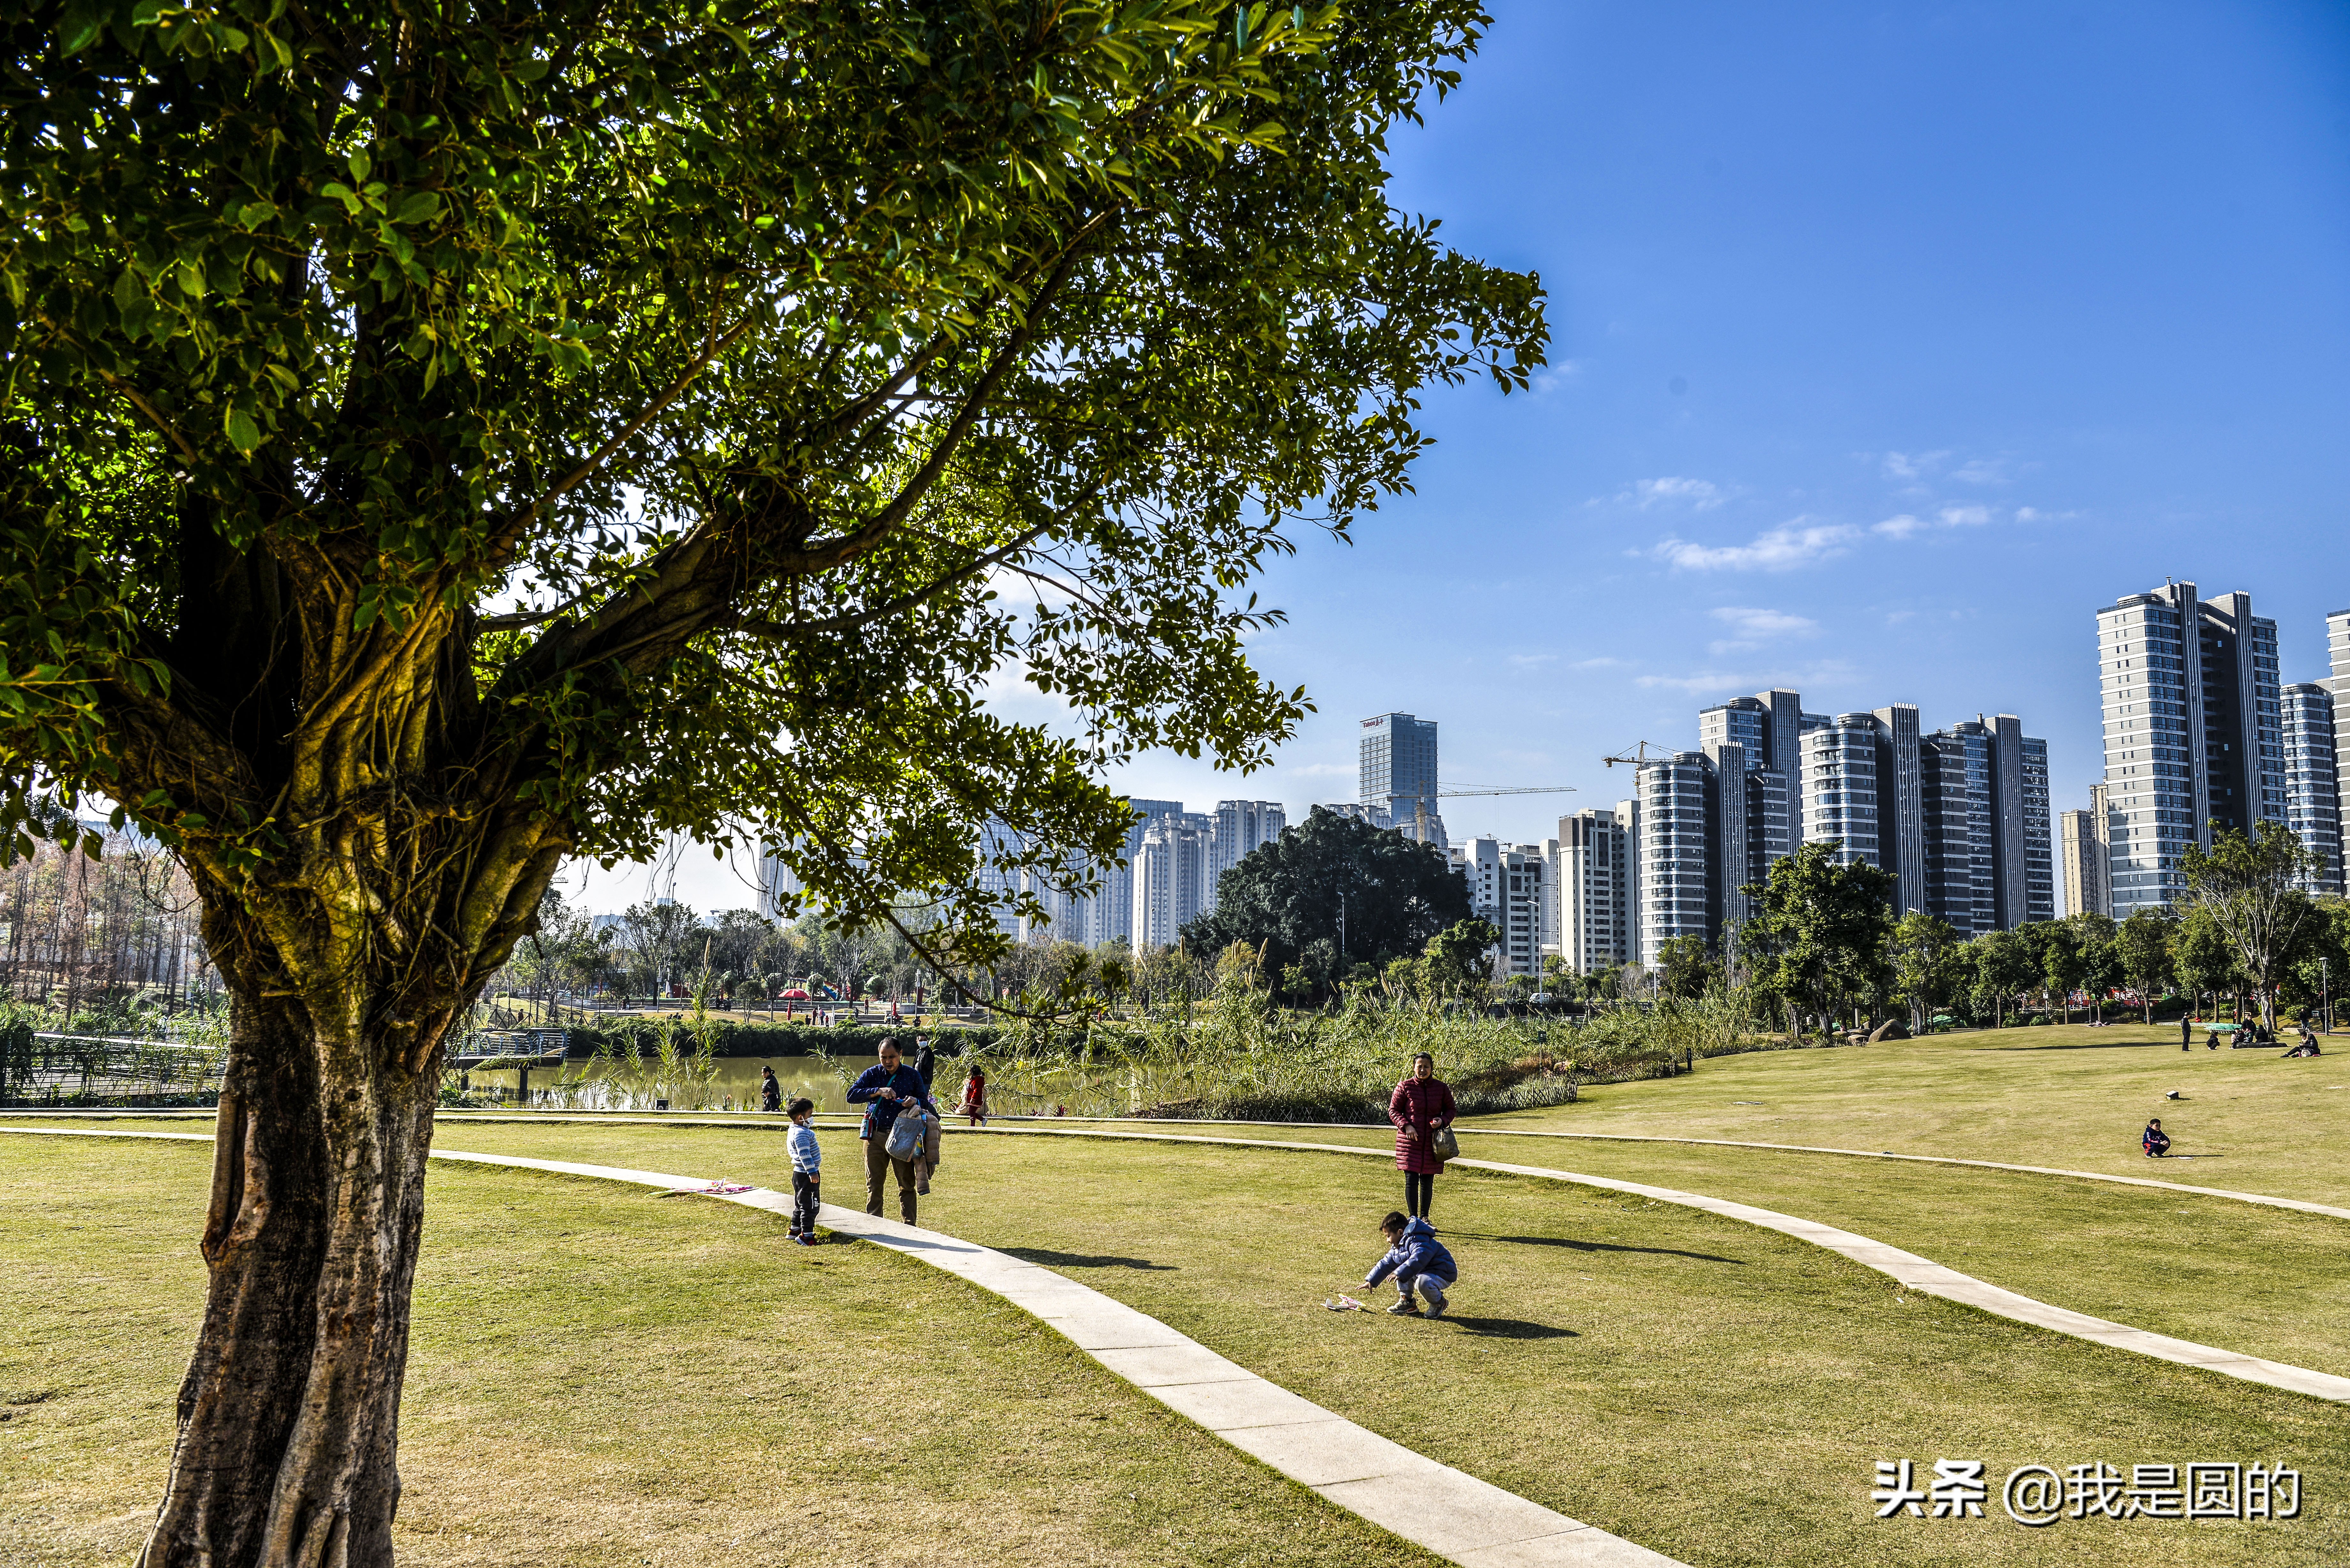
{"type": "Point", "coordinates": [289, 1413]}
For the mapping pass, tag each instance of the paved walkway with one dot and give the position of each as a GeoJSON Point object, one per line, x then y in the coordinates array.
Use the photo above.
{"type": "Point", "coordinates": [1448, 1511]}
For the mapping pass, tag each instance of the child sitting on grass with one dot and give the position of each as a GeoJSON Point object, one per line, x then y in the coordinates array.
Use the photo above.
{"type": "Point", "coordinates": [1418, 1261]}
{"type": "Point", "coordinates": [808, 1160]}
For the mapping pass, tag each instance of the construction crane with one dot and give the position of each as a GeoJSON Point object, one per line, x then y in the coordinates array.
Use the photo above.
{"type": "Point", "coordinates": [1419, 802]}
{"type": "Point", "coordinates": [1637, 755]}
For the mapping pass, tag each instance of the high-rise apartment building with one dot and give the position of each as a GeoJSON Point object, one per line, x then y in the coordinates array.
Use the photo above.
{"type": "Point", "coordinates": [1728, 856]}
{"type": "Point", "coordinates": [1960, 816]}
{"type": "Point", "coordinates": [2312, 801]}
{"type": "Point", "coordinates": [1240, 826]}
{"type": "Point", "coordinates": [1954, 775]}
{"type": "Point", "coordinates": [2081, 851]}
{"type": "Point", "coordinates": [1168, 875]}
{"type": "Point", "coordinates": [2194, 737]}
{"type": "Point", "coordinates": [1596, 884]}
{"type": "Point", "coordinates": [2039, 856]}
{"type": "Point", "coordinates": [1769, 727]}
{"type": "Point", "coordinates": [1901, 806]}
{"type": "Point", "coordinates": [2337, 644]}
{"type": "Point", "coordinates": [1676, 840]}
{"type": "Point", "coordinates": [1397, 771]}
{"type": "Point", "coordinates": [1507, 885]}
{"type": "Point", "coordinates": [1840, 788]}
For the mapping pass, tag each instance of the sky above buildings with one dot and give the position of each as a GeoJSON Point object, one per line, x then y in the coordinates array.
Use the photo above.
{"type": "Point", "coordinates": [1887, 343]}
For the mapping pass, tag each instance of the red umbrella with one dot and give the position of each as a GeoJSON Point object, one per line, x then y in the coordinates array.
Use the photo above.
{"type": "Point", "coordinates": [795, 994]}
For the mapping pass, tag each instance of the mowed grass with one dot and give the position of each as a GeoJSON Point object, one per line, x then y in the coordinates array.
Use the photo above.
{"type": "Point", "coordinates": [1719, 1393]}
{"type": "Point", "coordinates": [2063, 1096]}
{"type": "Point", "coordinates": [602, 1377]}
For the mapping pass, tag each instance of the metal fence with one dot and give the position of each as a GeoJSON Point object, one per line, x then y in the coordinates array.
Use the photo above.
{"type": "Point", "coordinates": [38, 1068]}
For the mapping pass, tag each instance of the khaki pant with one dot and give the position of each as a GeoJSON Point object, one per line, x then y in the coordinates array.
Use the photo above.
{"type": "Point", "coordinates": [877, 1164]}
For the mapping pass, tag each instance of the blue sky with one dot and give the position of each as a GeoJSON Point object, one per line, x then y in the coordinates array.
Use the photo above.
{"type": "Point", "coordinates": [1888, 342]}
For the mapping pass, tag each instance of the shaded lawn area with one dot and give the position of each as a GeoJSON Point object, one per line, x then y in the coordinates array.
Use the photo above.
{"type": "Point", "coordinates": [1719, 1393]}
{"type": "Point", "coordinates": [599, 1376]}
{"type": "Point", "coordinates": [2068, 1097]}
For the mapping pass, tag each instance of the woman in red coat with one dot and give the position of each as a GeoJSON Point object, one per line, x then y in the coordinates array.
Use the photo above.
{"type": "Point", "coordinates": [1421, 1105]}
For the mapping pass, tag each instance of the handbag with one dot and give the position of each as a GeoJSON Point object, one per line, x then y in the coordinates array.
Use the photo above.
{"type": "Point", "coordinates": [1443, 1145]}
{"type": "Point", "coordinates": [906, 1134]}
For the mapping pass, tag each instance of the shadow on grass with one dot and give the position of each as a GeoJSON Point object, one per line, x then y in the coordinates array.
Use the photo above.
{"type": "Point", "coordinates": [1574, 1245]}
{"type": "Point", "coordinates": [1509, 1328]}
{"type": "Point", "coordinates": [1053, 1260]}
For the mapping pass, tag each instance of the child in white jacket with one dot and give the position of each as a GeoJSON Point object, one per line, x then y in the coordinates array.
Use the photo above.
{"type": "Point", "coordinates": [808, 1160]}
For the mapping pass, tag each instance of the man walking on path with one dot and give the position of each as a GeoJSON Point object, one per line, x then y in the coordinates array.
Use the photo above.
{"type": "Point", "coordinates": [884, 1091]}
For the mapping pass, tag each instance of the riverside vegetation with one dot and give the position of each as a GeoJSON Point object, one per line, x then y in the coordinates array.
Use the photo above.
{"type": "Point", "coordinates": [1235, 1055]}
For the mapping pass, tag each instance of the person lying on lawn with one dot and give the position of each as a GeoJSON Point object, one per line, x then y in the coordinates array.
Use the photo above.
{"type": "Point", "coordinates": [1418, 1262]}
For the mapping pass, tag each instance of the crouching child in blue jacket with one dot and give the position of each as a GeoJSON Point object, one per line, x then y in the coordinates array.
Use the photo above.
{"type": "Point", "coordinates": [1418, 1262]}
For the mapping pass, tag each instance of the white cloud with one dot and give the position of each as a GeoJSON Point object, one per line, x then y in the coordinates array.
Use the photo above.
{"type": "Point", "coordinates": [1751, 622]}
{"type": "Point", "coordinates": [1532, 661]}
{"type": "Point", "coordinates": [1755, 627]}
{"type": "Point", "coordinates": [1908, 524]}
{"type": "Point", "coordinates": [1698, 495]}
{"type": "Point", "coordinates": [1699, 684]}
{"type": "Point", "coordinates": [1550, 378]}
{"type": "Point", "coordinates": [1602, 663]}
{"type": "Point", "coordinates": [1913, 464]}
{"type": "Point", "coordinates": [1794, 544]}
{"type": "Point", "coordinates": [1981, 470]}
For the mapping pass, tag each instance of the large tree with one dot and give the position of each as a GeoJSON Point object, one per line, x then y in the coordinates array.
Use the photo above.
{"type": "Point", "coordinates": [1926, 964]}
{"type": "Point", "coordinates": [1392, 894]}
{"type": "Point", "coordinates": [2250, 889]}
{"type": "Point", "coordinates": [438, 441]}
{"type": "Point", "coordinates": [2142, 949]}
{"type": "Point", "coordinates": [1819, 932]}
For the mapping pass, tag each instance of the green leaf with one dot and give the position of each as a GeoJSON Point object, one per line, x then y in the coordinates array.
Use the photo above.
{"type": "Point", "coordinates": [243, 433]}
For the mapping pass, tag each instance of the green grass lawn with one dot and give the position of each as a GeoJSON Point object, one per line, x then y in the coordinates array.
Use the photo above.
{"type": "Point", "coordinates": [602, 1377]}
{"type": "Point", "coordinates": [1715, 1391]}
{"type": "Point", "coordinates": [2064, 1095]}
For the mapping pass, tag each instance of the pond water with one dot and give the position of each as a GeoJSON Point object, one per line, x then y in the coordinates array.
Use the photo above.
{"type": "Point", "coordinates": [737, 1079]}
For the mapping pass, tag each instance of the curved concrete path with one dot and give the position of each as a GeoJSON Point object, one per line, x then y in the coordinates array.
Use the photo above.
{"type": "Point", "coordinates": [1448, 1511]}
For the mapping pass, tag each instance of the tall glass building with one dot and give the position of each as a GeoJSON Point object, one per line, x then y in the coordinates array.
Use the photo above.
{"type": "Point", "coordinates": [1397, 769]}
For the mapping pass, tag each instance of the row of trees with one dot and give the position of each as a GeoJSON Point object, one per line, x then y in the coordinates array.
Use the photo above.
{"type": "Point", "coordinates": [102, 941]}
{"type": "Point", "coordinates": [1822, 944]}
{"type": "Point", "coordinates": [733, 959]}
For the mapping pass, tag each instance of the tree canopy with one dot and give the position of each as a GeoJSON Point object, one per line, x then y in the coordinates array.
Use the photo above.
{"type": "Point", "coordinates": [1819, 930]}
{"type": "Point", "coordinates": [438, 443]}
{"type": "Point", "coordinates": [1285, 897]}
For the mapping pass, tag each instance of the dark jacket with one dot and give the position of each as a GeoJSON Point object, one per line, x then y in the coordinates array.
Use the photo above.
{"type": "Point", "coordinates": [880, 1113]}
{"type": "Point", "coordinates": [1416, 1253]}
{"type": "Point", "coordinates": [926, 1062]}
{"type": "Point", "coordinates": [771, 1094]}
{"type": "Point", "coordinates": [1426, 1105]}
